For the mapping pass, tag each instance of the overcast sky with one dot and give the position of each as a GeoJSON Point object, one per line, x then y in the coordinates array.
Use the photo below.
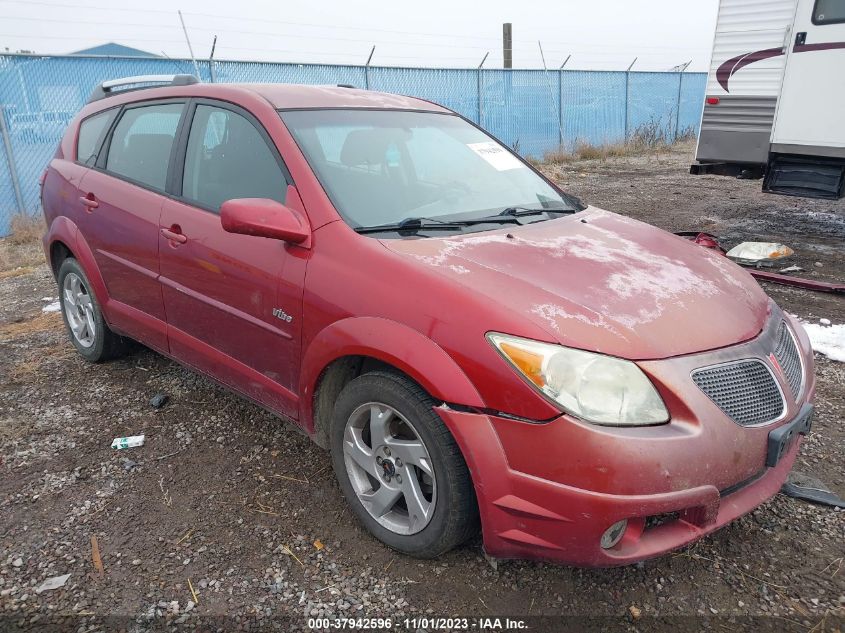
{"type": "Point", "coordinates": [600, 34]}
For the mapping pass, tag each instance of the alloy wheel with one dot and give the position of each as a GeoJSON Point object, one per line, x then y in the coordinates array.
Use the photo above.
{"type": "Point", "coordinates": [79, 310]}
{"type": "Point", "coordinates": [390, 468]}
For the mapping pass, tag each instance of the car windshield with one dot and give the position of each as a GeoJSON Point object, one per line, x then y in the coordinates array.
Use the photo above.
{"type": "Point", "coordinates": [383, 167]}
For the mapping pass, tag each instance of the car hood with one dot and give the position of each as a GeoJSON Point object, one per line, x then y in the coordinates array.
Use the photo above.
{"type": "Point", "coordinates": [604, 282]}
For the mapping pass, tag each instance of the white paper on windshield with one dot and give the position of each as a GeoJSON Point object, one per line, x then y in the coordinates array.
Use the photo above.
{"type": "Point", "coordinates": [496, 155]}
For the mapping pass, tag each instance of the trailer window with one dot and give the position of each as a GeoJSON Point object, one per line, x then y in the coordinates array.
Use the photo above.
{"type": "Point", "coordinates": [829, 12]}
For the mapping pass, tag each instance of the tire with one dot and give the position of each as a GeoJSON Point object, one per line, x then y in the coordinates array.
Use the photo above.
{"type": "Point", "coordinates": [82, 314]}
{"type": "Point", "coordinates": [436, 508]}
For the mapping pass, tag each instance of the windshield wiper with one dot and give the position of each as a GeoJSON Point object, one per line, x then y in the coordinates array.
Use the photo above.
{"type": "Point", "coordinates": [413, 225]}
{"type": "Point", "coordinates": [520, 211]}
{"type": "Point", "coordinates": [510, 215]}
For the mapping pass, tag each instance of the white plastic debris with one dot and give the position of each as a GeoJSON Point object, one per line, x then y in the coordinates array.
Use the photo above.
{"type": "Point", "coordinates": [791, 269]}
{"type": "Point", "coordinates": [55, 306]}
{"type": "Point", "coordinates": [827, 339]}
{"type": "Point", "coordinates": [824, 321]}
{"type": "Point", "coordinates": [132, 441]}
{"type": "Point", "coordinates": [52, 583]}
{"type": "Point", "coordinates": [759, 252]}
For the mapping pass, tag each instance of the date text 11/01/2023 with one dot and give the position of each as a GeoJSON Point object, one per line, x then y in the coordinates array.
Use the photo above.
{"type": "Point", "coordinates": [491, 624]}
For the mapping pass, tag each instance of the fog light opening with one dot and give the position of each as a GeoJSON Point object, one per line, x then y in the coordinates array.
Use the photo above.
{"type": "Point", "coordinates": [614, 534]}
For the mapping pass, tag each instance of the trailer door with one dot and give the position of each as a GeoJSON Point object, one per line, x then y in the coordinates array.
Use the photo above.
{"type": "Point", "coordinates": [812, 101]}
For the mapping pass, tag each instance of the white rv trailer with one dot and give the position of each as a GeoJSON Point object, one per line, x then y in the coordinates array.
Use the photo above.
{"type": "Point", "coordinates": [775, 102]}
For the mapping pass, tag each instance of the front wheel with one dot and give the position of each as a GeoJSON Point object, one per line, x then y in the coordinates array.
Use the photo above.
{"type": "Point", "coordinates": [399, 466]}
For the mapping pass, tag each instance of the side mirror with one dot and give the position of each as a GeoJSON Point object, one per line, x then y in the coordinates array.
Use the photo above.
{"type": "Point", "coordinates": [263, 217]}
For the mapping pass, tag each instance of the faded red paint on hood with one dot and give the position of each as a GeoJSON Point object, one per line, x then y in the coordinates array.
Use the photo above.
{"type": "Point", "coordinates": [604, 282]}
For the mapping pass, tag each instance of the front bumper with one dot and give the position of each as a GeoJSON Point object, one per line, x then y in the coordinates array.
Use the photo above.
{"type": "Point", "coordinates": [524, 516]}
{"type": "Point", "coordinates": [549, 491]}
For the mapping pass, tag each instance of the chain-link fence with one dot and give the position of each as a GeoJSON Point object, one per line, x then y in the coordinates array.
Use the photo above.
{"type": "Point", "coordinates": [533, 111]}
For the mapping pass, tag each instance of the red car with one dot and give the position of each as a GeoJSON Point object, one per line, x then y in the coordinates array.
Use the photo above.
{"type": "Point", "coordinates": [473, 345]}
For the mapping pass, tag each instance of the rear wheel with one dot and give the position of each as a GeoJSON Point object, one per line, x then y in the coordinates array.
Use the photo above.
{"type": "Point", "coordinates": [88, 331]}
{"type": "Point", "coordinates": [400, 468]}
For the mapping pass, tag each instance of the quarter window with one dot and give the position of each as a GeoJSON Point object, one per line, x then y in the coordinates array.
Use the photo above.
{"type": "Point", "coordinates": [141, 143]}
{"type": "Point", "coordinates": [90, 132]}
{"type": "Point", "coordinates": [829, 12]}
{"type": "Point", "coordinates": [228, 158]}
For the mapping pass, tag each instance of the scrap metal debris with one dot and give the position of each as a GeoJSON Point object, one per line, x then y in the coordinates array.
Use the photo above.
{"type": "Point", "coordinates": [808, 488]}
{"type": "Point", "coordinates": [707, 240]}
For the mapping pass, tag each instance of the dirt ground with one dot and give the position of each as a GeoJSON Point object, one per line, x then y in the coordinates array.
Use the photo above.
{"type": "Point", "coordinates": [228, 518]}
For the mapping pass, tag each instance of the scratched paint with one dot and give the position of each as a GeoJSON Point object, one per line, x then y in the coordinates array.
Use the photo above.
{"type": "Point", "coordinates": [596, 271]}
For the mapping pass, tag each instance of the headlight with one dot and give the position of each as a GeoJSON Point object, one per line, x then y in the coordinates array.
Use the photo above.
{"type": "Point", "coordinates": [594, 387]}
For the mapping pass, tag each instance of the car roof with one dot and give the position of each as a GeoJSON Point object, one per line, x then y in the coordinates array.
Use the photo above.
{"type": "Point", "coordinates": [302, 96]}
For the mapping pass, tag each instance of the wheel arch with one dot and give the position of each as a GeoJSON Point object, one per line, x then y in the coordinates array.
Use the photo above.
{"type": "Point", "coordinates": [64, 240]}
{"type": "Point", "coordinates": [352, 346]}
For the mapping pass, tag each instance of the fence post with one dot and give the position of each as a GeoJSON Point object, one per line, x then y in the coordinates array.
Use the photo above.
{"type": "Point", "coordinates": [10, 160]}
{"type": "Point", "coordinates": [480, 89]}
{"type": "Point", "coordinates": [627, 94]}
{"type": "Point", "coordinates": [678, 105]}
{"type": "Point", "coordinates": [211, 72]}
{"type": "Point", "coordinates": [560, 105]}
{"type": "Point", "coordinates": [627, 73]}
{"type": "Point", "coordinates": [367, 68]}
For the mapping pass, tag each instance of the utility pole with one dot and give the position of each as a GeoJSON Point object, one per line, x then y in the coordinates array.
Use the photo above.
{"type": "Point", "coordinates": [507, 44]}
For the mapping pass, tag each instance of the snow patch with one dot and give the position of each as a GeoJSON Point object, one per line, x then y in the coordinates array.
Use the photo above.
{"type": "Point", "coordinates": [827, 339]}
{"type": "Point", "coordinates": [55, 306]}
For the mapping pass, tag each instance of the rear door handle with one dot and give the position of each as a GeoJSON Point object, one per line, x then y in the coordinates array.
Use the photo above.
{"type": "Point", "coordinates": [174, 236]}
{"type": "Point", "coordinates": [89, 201]}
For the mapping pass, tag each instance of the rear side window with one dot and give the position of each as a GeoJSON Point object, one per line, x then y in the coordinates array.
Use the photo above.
{"type": "Point", "coordinates": [141, 143]}
{"type": "Point", "coordinates": [829, 12]}
{"type": "Point", "coordinates": [228, 158]}
{"type": "Point", "coordinates": [91, 131]}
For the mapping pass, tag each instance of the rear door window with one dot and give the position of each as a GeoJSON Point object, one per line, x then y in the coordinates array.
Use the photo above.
{"type": "Point", "coordinates": [141, 143]}
{"type": "Point", "coordinates": [91, 132]}
{"type": "Point", "coordinates": [227, 158]}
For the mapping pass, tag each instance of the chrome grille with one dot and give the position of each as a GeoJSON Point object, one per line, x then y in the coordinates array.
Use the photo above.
{"type": "Point", "coordinates": [787, 356]}
{"type": "Point", "coordinates": [745, 390]}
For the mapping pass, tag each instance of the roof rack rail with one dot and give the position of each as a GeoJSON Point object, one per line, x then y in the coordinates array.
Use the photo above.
{"type": "Point", "coordinates": [107, 88]}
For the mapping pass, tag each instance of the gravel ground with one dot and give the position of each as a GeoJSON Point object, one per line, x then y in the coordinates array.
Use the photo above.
{"type": "Point", "coordinates": [231, 519]}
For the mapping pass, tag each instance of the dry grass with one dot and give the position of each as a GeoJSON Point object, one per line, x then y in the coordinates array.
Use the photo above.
{"type": "Point", "coordinates": [649, 138]}
{"type": "Point", "coordinates": [41, 323]}
{"type": "Point", "coordinates": [26, 229]}
{"type": "Point", "coordinates": [21, 251]}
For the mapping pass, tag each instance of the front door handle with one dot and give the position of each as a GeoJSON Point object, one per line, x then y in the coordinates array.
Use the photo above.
{"type": "Point", "coordinates": [174, 235]}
